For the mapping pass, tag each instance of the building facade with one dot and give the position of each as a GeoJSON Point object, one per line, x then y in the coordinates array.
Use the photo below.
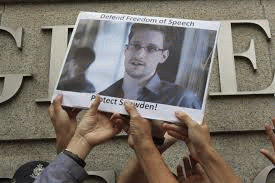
{"type": "Point", "coordinates": [241, 100]}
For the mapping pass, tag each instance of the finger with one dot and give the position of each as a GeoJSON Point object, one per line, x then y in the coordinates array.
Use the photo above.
{"type": "Point", "coordinates": [131, 110]}
{"type": "Point", "coordinates": [157, 123]}
{"type": "Point", "coordinates": [192, 162]}
{"type": "Point", "coordinates": [57, 103]}
{"type": "Point", "coordinates": [157, 129]}
{"type": "Point", "coordinates": [117, 123]}
{"type": "Point", "coordinates": [270, 134]}
{"type": "Point", "coordinates": [173, 127]}
{"type": "Point", "coordinates": [72, 112]}
{"type": "Point", "coordinates": [205, 121]}
{"type": "Point", "coordinates": [187, 166]}
{"type": "Point", "coordinates": [200, 171]}
{"type": "Point", "coordinates": [117, 127]}
{"type": "Point", "coordinates": [95, 105]}
{"type": "Point", "coordinates": [169, 140]}
{"type": "Point", "coordinates": [185, 119]}
{"type": "Point", "coordinates": [176, 135]}
{"type": "Point", "coordinates": [273, 121]}
{"type": "Point", "coordinates": [50, 110]}
{"type": "Point", "coordinates": [268, 155]}
{"type": "Point", "coordinates": [107, 114]}
{"type": "Point", "coordinates": [180, 174]}
{"type": "Point", "coordinates": [123, 121]}
{"type": "Point", "coordinates": [115, 116]}
{"type": "Point", "coordinates": [126, 128]}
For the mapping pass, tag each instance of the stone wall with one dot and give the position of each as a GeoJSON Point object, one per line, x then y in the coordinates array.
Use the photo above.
{"type": "Point", "coordinates": [23, 118]}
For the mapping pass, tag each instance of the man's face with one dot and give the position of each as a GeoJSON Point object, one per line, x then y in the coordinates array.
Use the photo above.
{"type": "Point", "coordinates": [85, 34]}
{"type": "Point", "coordinates": [140, 61]}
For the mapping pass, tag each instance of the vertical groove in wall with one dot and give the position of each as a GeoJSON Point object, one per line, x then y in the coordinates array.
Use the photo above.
{"type": "Point", "coordinates": [262, 5]}
{"type": "Point", "coordinates": [2, 13]}
{"type": "Point", "coordinates": [269, 45]}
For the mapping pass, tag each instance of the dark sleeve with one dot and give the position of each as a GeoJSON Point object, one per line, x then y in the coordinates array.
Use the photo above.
{"type": "Point", "coordinates": [62, 169]}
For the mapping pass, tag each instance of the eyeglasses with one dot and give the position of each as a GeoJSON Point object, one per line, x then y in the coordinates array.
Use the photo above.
{"type": "Point", "coordinates": [149, 49]}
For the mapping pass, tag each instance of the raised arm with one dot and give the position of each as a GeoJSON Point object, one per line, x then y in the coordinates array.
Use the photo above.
{"type": "Point", "coordinates": [149, 157]}
{"type": "Point", "coordinates": [64, 122]}
{"type": "Point", "coordinates": [133, 172]}
{"type": "Point", "coordinates": [197, 139]}
{"type": "Point", "coordinates": [94, 128]}
{"type": "Point", "coordinates": [270, 134]}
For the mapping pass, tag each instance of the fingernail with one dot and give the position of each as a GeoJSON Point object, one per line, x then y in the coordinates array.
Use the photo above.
{"type": "Point", "coordinates": [126, 102]}
{"type": "Point", "coordinates": [90, 104]}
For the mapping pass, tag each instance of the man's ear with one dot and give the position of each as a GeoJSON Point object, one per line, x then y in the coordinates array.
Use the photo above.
{"type": "Point", "coordinates": [165, 55]}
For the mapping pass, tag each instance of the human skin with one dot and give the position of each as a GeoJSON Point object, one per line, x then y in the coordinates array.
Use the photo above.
{"type": "Point", "coordinates": [140, 64]}
{"type": "Point", "coordinates": [133, 172]}
{"type": "Point", "coordinates": [197, 139]}
{"type": "Point", "coordinates": [149, 157]}
{"type": "Point", "coordinates": [271, 136]}
{"type": "Point", "coordinates": [64, 122]}
{"type": "Point", "coordinates": [95, 128]}
{"type": "Point", "coordinates": [194, 172]}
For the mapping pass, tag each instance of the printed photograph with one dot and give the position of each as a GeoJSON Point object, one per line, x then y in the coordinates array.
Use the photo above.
{"type": "Point", "coordinates": [153, 63]}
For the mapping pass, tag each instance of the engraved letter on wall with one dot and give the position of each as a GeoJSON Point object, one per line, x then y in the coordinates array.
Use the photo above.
{"type": "Point", "coordinates": [226, 58]}
{"type": "Point", "coordinates": [12, 82]}
{"type": "Point", "coordinates": [58, 50]}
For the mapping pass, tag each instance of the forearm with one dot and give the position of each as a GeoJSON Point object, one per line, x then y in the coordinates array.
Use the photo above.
{"type": "Point", "coordinates": [132, 173]}
{"type": "Point", "coordinates": [153, 165]}
{"type": "Point", "coordinates": [79, 146]}
{"type": "Point", "coordinates": [216, 168]}
{"type": "Point", "coordinates": [62, 143]}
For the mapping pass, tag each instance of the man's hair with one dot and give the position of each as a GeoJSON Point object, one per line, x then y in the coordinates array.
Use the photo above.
{"type": "Point", "coordinates": [165, 30]}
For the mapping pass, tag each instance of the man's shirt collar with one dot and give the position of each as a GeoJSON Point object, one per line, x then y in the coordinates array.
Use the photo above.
{"type": "Point", "coordinates": [154, 84]}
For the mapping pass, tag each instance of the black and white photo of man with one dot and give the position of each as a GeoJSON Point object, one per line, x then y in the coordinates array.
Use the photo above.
{"type": "Point", "coordinates": [148, 47]}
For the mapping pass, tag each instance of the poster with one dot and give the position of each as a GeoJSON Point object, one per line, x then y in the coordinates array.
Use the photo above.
{"type": "Point", "coordinates": [160, 65]}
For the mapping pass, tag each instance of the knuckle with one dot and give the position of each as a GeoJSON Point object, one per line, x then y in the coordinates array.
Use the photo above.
{"type": "Point", "coordinates": [50, 109]}
{"type": "Point", "coordinates": [135, 116]}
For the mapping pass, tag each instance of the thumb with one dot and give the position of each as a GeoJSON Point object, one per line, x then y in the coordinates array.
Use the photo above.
{"type": "Point", "coordinates": [132, 111]}
{"type": "Point", "coordinates": [57, 103]}
{"type": "Point", "coordinates": [201, 172]}
{"type": "Point", "coordinates": [268, 155]}
{"type": "Point", "coordinates": [185, 119]}
{"type": "Point", "coordinates": [94, 106]}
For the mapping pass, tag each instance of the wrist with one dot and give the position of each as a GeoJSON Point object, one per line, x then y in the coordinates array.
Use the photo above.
{"type": "Point", "coordinates": [145, 144]}
{"type": "Point", "coordinates": [75, 157]}
{"type": "Point", "coordinates": [207, 154]}
{"type": "Point", "coordinates": [79, 146]}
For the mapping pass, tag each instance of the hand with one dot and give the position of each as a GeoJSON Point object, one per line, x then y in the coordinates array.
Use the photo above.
{"type": "Point", "coordinates": [271, 136]}
{"type": "Point", "coordinates": [94, 128]}
{"type": "Point", "coordinates": [193, 170]}
{"type": "Point", "coordinates": [196, 136]}
{"type": "Point", "coordinates": [157, 129]}
{"type": "Point", "coordinates": [197, 139]}
{"type": "Point", "coordinates": [139, 130]}
{"type": "Point", "coordinates": [168, 142]}
{"type": "Point", "coordinates": [64, 122]}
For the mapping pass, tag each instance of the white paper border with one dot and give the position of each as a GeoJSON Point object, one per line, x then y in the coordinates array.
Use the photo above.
{"type": "Point", "coordinates": [164, 112]}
